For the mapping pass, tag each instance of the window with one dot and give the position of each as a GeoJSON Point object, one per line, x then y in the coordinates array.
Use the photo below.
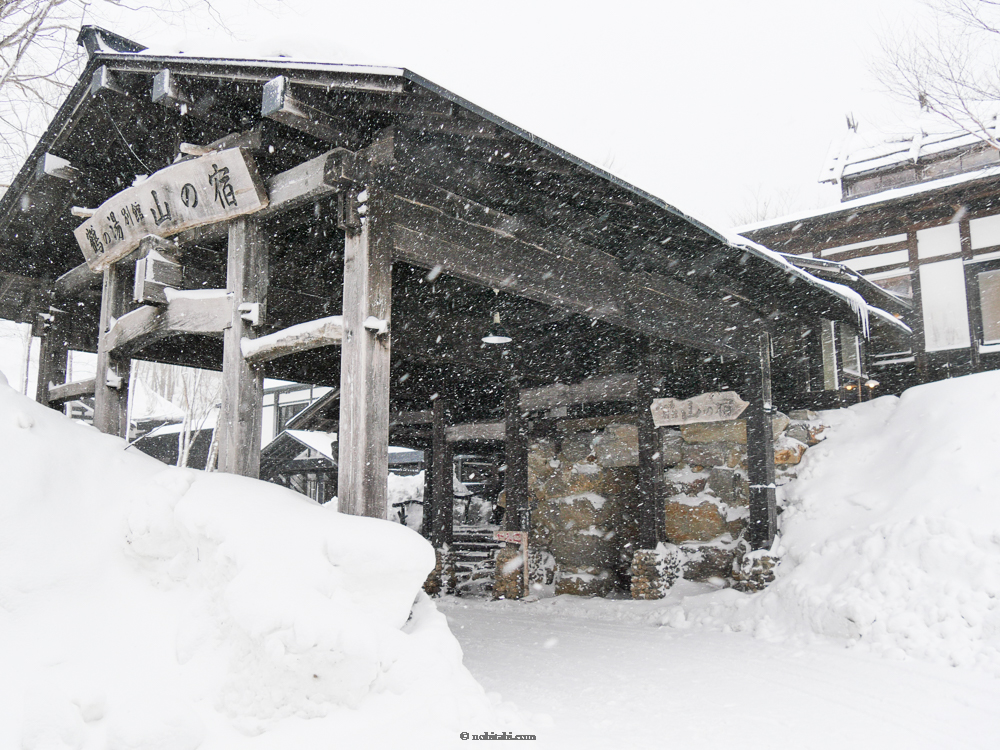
{"type": "Point", "coordinates": [850, 351]}
{"type": "Point", "coordinates": [989, 304]}
{"type": "Point", "coordinates": [898, 283]}
{"type": "Point", "coordinates": [831, 380]}
{"type": "Point", "coordinates": [285, 412]}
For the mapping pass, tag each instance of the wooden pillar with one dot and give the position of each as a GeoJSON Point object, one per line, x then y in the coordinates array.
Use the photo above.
{"type": "Point", "coordinates": [763, 522]}
{"type": "Point", "coordinates": [652, 494]}
{"type": "Point", "coordinates": [442, 489]}
{"type": "Point", "coordinates": [516, 517]}
{"type": "Point", "coordinates": [363, 435]}
{"type": "Point", "coordinates": [52, 355]}
{"type": "Point", "coordinates": [112, 376]}
{"type": "Point", "coordinates": [242, 384]}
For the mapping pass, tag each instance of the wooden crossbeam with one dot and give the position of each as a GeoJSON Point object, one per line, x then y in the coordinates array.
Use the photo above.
{"type": "Point", "coordinates": [319, 177]}
{"type": "Point", "coordinates": [584, 280]}
{"type": "Point", "coordinates": [475, 431]}
{"type": "Point", "coordinates": [60, 394]}
{"type": "Point", "coordinates": [141, 327]}
{"type": "Point", "coordinates": [298, 338]}
{"type": "Point", "coordinates": [279, 104]}
{"type": "Point", "coordinates": [593, 390]}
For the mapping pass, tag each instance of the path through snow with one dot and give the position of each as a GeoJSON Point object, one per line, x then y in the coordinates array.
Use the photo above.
{"type": "Point", "coordinates": [600, 674]}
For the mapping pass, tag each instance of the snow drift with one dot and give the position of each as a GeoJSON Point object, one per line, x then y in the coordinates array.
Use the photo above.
{"type": "Point", "coordinates": [890, 535]}
{"type": "Point", "coordinates": [143, 606]}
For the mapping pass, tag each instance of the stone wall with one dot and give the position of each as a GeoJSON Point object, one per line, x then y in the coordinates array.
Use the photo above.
{"type": "Point", "coordinates": [585, 484]}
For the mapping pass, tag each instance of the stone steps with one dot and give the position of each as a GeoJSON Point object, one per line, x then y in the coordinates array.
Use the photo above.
{"type": "Point", "coordinates": [473, 551]}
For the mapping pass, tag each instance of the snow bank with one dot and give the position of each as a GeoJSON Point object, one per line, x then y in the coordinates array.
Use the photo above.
{"type": "Point", "coordinates": [890, 536]}
{"type": "Point", "coordinates": [143, 606]}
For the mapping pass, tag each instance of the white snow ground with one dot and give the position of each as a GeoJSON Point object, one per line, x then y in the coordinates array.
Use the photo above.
{"type": "Point", "coordinates": [149, 607]}
{"type": "Point", "coordinates": [605, 674]}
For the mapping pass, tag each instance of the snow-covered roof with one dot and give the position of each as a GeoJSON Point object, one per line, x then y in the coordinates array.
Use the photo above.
{"type": "Point", "coordinates": [856, 153]}
{"type": "Point", "coordinates": [867, 201]}
{"type": "Point", "coordinates": [147, 404]}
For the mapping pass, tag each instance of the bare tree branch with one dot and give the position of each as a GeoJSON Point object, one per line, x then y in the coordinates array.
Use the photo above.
{"type": "Point", "coordinates": [951, 69]}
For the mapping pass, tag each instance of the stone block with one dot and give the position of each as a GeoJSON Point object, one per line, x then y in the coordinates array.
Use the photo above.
{"type": "Point", "coordinates": [442, 579]}
{"type": "Point", "coordinates": [541, 454]}
{"type": "Point", "coordinates": [731, 431]}
{"type": "Point", "coordinates": [575, 448]}
{"type": "Point", "coordinates": [508, 575]}
{"type": "Point", "coordinates": [729, 486]}
{"type": "Point", "coordinates": [653, 571]}
{"type": "Point", "coordinates": [798, 431]}
{"type": "Point", "coordinates": [584, 580]}
{"type": "Point", "coordinates": [815, 434]}
{"type": "Point", "coordinates": [803, 415]}
{"type": "Point", "coordinates": [671, 447]}
{"type": "Point", "coordinates": [753, 570]}
{"type": "Point", "coordinates": [788, 451]}
{"type": "Point", "coordinates": [618, 446]}
{"type": "Point", "coordinates": [704, 561]}
{"type": "Point", "coordinates": [706, 454]}
{"type": "Point", "coordinates": [695, 523]}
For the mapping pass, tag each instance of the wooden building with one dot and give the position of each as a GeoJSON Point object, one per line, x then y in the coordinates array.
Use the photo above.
{"type": "Point", "coordinates": [920, 217]}
{"type": "Point", "coordinates": [365, 229]}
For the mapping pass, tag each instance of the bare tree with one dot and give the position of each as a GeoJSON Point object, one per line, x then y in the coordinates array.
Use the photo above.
{"type": "Point", "coordinates": [949, 66]}
{"type": "Point", "coordinates": [761, 204]}
{"type": "Point", "coordinates": [40, 60]}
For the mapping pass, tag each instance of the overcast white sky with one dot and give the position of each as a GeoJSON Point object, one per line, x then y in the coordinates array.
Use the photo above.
{"type": "Point", "coordinates": [705, 104]}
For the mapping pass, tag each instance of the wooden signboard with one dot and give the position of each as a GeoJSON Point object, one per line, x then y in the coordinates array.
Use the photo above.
{"type": "Point", "coordinates": [192, 193]}
{"type": "Point", "coordinates": [513, 537]}
{"type": "Point", "coordinates": [707, 407]}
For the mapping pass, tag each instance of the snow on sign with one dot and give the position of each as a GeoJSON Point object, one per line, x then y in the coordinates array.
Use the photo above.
{"type": "Point", "coordinates": [192, 193]}
{"type": "Point", "coordinates": [707, 407]}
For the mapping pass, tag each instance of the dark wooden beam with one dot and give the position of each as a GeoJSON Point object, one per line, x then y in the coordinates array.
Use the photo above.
{"type": "Point", "coordinates": [442, 491]}
{"type": "Point", "coordinates": [60, 394]}
{"type": "Point", "coordinates": [242, 384]}
{"type": "Point", "coordinates": [763, 522]}
{"type": "Point", "coordinates": [475, 432]}
{"type": "Point", "coordinates": [364, 373]}
{"type": "Point", "coordinates": [652, 493]}
{"type": "Point", "coordinates": [76, 281]}
{"type": "Point", "coordinates": [577, 278]}
{"type": "Point", "coordinates": [593, 390]}
{"type": "Point", "coordinates": [52, 355]}
{"type": "Point", "coordinates": [280, 104]}
{"type": "Point", "coordinates": [518, 498]}
{"type": "Point", "coordinates": [146, 324]}
{"type": "Point", "coordinates": [111, 388]}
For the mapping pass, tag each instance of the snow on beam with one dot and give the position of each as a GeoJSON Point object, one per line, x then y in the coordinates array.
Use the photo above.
{"type": "Point", "coordinates": [70, 391]}
{"type": "Point", "coordinates": [207, 312]}
{"type": "Point", "coordinates": [298, 338]}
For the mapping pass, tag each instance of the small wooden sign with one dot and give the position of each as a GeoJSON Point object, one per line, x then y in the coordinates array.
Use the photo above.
{"type": "Point", "coordinates": [513, 537]}
{"type": "Point", "coordinates": [707, 407]}
{"type": "Point", "coordinates": [192, 193]}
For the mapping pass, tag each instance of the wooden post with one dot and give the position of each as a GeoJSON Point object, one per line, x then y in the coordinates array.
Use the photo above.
{"type": "Point", "coordinates": [111, 380]}
{"type": "Point", "coordinates": [52, 355]}
{"type": "Point", "coordinates": [516, 517]}
{"type": "Point", "coordinates": [242, 384]}
{"type": "Point", "coordinates": [652, 511]}
{"type": "Point", "coordinates": [442, 489]}
{"type": "Point", "coordinates": [760, 448]}
{"type": "Point", "coordinates": [363, 435]}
